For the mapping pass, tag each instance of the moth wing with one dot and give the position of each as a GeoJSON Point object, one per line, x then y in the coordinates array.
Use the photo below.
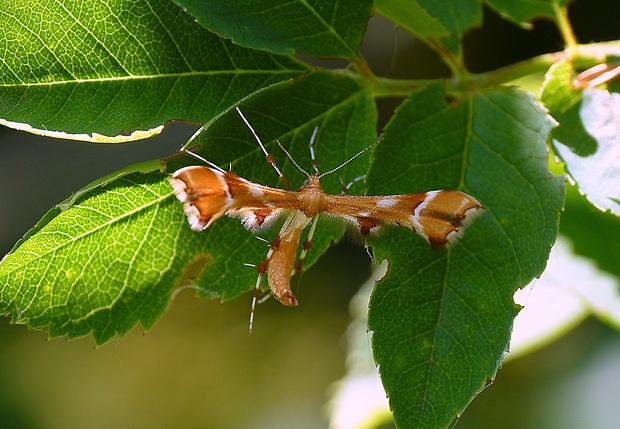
{"type": "Point", "coordinates": [440, 217]}
{"type": "Point", "coordinates": [208, 194]}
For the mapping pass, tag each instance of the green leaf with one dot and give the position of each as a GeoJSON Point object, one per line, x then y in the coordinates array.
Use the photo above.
{"type": "Point", "coordinates": [110, 256]}
{"type": "Point", "coordinates": [457, 16]}
{"type": "Point", "coordinates": [564, 104]}
{"type": "Point", "coordinates": [441, 320]}
{"type": "Point", "coordinates": [345, 115]}
{"type": "Point", "coordinates": [119, 71]}
{"type": "Point", "coordinates": [444, 21]}
{"type": "Point", "coordinates": [101, 265]}
{"type": "Point", "coordinates": [597, 175]}
{"type": "Point", "coordinates": [522, 12]}
{"type": "Point", "coordinates": [322, 28]}
{"type": "Point", "coordinates": [587, 137]}
{"type": "Point", "coordinates": [412, 17]}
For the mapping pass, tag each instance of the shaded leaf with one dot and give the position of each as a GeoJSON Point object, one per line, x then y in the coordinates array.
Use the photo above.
{"type": "Point", "coordinates": [346, 119]}
{"type": "Point", "coordinates": [521, 12]}
{"type": "Point", "coordinates": [110, 257]}
{"type": "Point", "coordinates": [441, 320]}
{"type": "Point", "coordinates": [321, 28]}
{"type": "Point", "coordinates": [444, 22]}
{"type": "Point", "coordinates": [457, 16]}
{"type": "Point", "coordinates": [413, 17]}
{"type": "Point", "coordinates": [69, 75]}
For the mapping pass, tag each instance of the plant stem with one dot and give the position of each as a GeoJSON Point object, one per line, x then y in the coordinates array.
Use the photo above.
{"type": "Point", "coordinates": [561, 16]}
{"type": "Point", "coordinates": [583, 56]}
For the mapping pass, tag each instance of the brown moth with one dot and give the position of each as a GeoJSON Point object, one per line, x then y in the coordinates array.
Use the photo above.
{"type": "Point", "coordinates": [210, 192]}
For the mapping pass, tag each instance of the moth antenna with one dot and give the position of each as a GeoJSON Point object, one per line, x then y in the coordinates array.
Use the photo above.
{"type": "Point", "coordinates": [178, 290]}
{"type": "Point", "coordinates": [200, 158]}
{"type": "Point", "coordinates": [292, 159]}
{"type": "Point", "coordinates": [268, 156]}
{"type": "Point", "coordinates": [345, 188]}
{"type": "Point", "coordinates": [361, 152]}
{"type": "Point", "coordinates": [249, 265]}
{"type": "Point", "coordinates": [311, 144]}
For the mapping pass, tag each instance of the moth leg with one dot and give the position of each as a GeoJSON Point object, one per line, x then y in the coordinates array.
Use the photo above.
{"type": "Point", "coordinates": [278, 264]}
{"type": "Point", "coordinates": [311, 145]}
{"type": "Point", "coordinates": [264, 298]}
{"type": "Point", "coordinates": [345, 188]}
{"type": "Point", "coordinates": [262, 268]}
{"type": "Point", "coordinates": [270, 159]}
{"type": "Point", "coordinates": [307, 245]}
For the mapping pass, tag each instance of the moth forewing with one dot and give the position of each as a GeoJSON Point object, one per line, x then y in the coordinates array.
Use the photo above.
{"type": "Point", "coordinates": [204, 194]}
{"type": "Point", "coordinates": [207, 194]}
{"type": "Point", "coordinates": [440, 217]}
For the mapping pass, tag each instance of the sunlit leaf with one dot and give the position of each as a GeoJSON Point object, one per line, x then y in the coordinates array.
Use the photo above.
{"type": "Point", "coordinates": [587, 136]}
{"type": "Point", "coordinates": [564, 104]}
{"type": "Point", "coordinates": [110, 257]}
{"type": "Point", "coordinates": [598, 175]}
{"type": "Point", "coordinates": [118, 71]}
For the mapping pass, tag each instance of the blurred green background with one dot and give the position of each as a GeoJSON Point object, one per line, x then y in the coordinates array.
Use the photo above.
{"type": "Point", "coordinates": [198, 367]}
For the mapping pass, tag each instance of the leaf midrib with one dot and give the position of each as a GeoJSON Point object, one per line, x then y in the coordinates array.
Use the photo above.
{"type": "Point", "coordinates": [156, 76]}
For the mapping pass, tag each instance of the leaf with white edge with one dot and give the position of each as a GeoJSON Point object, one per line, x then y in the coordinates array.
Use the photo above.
{"type": "Point", "coordinates": [598, 175]}
{"type": "Point", "coordinates": [118, 71]}
{"type": "Point", "coordinates": [110, 257]}
{"type": "Point", "coordinates": [441, 321]}
{"type": "Point", "coordinates": [321, 28]}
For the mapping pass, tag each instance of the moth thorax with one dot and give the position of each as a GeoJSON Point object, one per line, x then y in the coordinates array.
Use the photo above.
{"type": "Point", "coordinates": [311, 196]}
